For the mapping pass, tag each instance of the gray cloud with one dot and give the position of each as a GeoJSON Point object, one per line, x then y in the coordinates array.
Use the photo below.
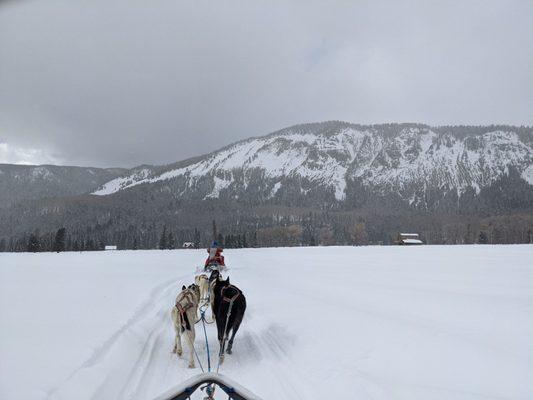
{"type": "Point", "coordinates": [126, 82]}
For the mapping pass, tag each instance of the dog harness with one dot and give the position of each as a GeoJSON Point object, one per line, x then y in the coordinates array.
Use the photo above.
{"type": "Point", "coordinates": [185, 301]}
{"type": "Point", "coordinates": [230, 299]}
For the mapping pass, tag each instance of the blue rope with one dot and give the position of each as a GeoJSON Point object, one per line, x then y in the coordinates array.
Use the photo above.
{"type": "Point", "coordinates": [202, 313]}
{"type": "Point", "coordinates": [209, 389]}
{"type": "Point", "coordinates": [198, 358]}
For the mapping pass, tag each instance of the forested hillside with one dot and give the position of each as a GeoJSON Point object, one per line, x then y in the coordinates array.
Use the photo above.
{"type": "Point", "coordinates": [323, 183]}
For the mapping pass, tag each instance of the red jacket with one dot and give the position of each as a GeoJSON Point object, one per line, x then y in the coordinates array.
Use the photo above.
{"type": "Point", "coordinates": [215, 256]}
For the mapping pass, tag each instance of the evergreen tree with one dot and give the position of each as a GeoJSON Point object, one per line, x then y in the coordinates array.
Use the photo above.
{"type": "Point", "coordinates": [59, 241]}
{"type": "Point", "coordinates": [228, 240]}
{"type": "Point", "coordinates": [196, 239]}
{"type": "Point", "coordinates": [482, 239]}
{"type": "Point", "coordinates": [220, 240]}
{"type": "Point", "coordinates": [135, 244]}
{"type": "Point", "coordinates": [34, 244]}
{"type": "Point", "coordinates": [2, 245]}
{"type": "Point", "coordinates": [90, 245]}
{"type": "Point", "coordinates": [163, 239]}
{"type": "Point", "coordinates": [215, 233]}
{"type": "Point", "coordinates": [308, 231]}
{"type": "Point", "coordinates": [171, 241]}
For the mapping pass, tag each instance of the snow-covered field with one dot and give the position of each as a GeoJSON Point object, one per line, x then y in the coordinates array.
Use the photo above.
{"type": "Point", "coordinates": [429, 322]}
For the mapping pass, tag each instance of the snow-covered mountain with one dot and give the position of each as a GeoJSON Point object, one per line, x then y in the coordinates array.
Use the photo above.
{"type": "Point", "coordinates": [330, 157]}
{"type": "Point", "coordinates": [23, 182]}
{"type": "Point", "coordinates": [305, 184]}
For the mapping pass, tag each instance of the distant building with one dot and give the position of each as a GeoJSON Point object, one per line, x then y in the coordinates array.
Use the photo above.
{"type": "Point", "coordinates": [110, 248]}
{"type": "Point", "coordinates": [409, 239]}
{"type": "Point", "coordinates": [188, 245]}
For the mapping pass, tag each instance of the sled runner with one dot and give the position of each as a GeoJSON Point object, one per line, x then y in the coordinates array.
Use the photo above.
{"type": "Point", "coordinates": [213, 267]}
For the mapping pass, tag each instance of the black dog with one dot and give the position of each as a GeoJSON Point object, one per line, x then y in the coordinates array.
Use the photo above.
{"type": "Point", "coordinates": [229, 307]}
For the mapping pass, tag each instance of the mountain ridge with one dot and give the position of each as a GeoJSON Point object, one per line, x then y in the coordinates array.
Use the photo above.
{"type": "Point", "coordinates": [27, 182]}
{"type": "Point", "coordinates": [335, 149]}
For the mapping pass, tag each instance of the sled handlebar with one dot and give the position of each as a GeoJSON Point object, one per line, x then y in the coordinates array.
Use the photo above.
{"type": "Point", "coordinates": [187, 388]}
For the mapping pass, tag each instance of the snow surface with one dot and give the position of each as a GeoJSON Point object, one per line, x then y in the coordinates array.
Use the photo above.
{"type": "Point", "coordinates": [527, 174]}
{"type": "Point", "coordinates": [427, 322]}
{"type": "Point", "coordinates": [123, 182]}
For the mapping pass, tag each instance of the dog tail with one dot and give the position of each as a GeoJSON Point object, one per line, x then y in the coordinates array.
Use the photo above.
{"type": "Point", "coordinates": [186, 320]}
{"type": "Point", "coordinates": [183, 321]}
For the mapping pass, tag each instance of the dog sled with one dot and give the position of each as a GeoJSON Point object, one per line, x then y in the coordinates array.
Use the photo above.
{"type": "Point", "coordinates": [207, 381]}
{"type": "Point", "coordinates": [210, 268]}
{"type": "Point", "coordinates": [215, 267]}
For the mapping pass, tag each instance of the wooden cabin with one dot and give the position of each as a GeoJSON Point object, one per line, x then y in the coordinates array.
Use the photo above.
{"type": "Point", "coordinates": [409, 239]}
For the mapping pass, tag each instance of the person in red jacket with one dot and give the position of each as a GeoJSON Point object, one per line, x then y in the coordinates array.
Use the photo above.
{"type": "Point", "coordinates": [215, 256]}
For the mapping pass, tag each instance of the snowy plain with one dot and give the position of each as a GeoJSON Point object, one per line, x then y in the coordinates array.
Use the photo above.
{"type": "Point", "coordinates": [428, 322]}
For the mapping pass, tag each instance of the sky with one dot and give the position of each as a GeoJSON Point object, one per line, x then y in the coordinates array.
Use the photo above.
{"type": "Point", "coordinates": [129, 82]}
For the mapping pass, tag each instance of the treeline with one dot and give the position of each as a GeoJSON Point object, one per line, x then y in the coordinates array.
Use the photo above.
{"type": "Point", "coordinates": [284, 230]}
{"type": "Point", "coordinates": [62, 240]}
{"type": "Point", "coordinates": [54, 242]}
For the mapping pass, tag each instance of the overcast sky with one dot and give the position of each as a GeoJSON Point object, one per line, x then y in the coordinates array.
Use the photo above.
{"type": "Point", "coordinates": [126, 82]}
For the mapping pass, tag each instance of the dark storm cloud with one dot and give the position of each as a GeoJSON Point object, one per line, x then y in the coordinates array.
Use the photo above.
{"type": "Point", "coordinates": [127, 82]}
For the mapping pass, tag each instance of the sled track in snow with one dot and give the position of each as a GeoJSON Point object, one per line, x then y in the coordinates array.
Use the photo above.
{"type": "Point", "coordinates": [136, 361]}
{"type": "Point", "coordinates": [142, 311]}
{"type": "Point", "coordinates": [153, 314]}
